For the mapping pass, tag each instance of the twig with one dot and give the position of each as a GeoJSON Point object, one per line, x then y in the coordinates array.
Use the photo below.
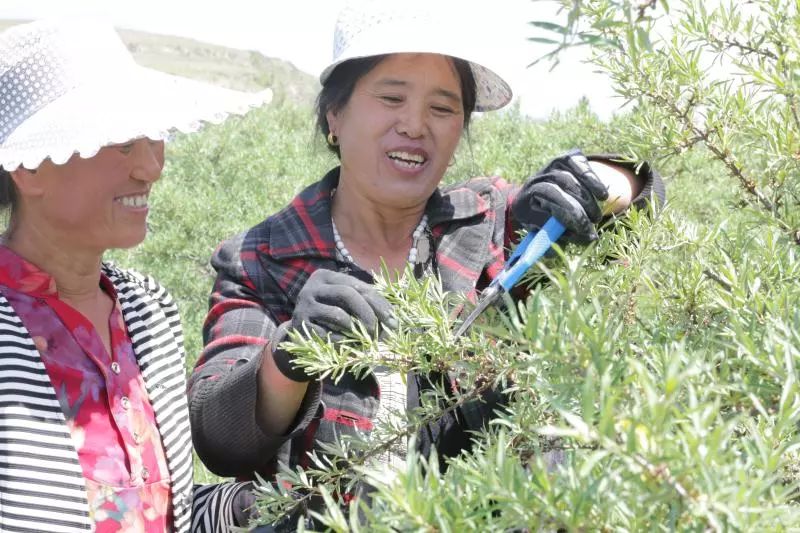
{"type": "Point", "coordinates": [721, 282]}
{"type": "Point", "coordinates": [388, 444]}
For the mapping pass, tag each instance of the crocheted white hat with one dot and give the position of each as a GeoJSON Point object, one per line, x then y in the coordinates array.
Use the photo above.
{"type": "Point", "coordinates": [376, 27]}
{"type": "Point", "coordinates": [70, 86]}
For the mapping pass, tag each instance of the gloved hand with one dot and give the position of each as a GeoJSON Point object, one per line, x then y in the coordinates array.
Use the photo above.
{"type": "Point", "coordinates": [568, 189]}
{"type": "Point", "coordinates": [328, 304]}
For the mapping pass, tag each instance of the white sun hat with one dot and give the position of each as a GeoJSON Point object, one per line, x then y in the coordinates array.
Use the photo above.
{"type": "Point", "coordinates": [375, 27]}
{"type": "Point", "coordinates": [70, 86]}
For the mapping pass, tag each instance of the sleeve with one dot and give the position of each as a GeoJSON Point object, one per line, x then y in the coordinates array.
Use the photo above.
{"type": "Point", "coordinates": [223, 388]}
{"type": "Point", "coordinates": [653, 188]}
{"type": "Point", "coordinates": [222, 507]}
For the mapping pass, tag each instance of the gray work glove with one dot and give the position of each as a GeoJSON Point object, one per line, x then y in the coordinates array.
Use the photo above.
{"type": "Point", "coordinates": [568, 189]}
{"type": "Point", "coordinates": [329, 304]}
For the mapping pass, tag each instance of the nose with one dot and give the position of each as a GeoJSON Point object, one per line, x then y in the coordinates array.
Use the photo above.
{"type": "Point", "coordinates": [147, 158]}
{"type": "Point", "coordinates": [411, 122]}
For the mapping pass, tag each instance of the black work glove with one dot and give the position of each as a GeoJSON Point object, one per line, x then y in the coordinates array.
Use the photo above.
{"type": "Point", "coordinates": [568, 189]}
{"type": "Point", "coordinates": [328, 305]}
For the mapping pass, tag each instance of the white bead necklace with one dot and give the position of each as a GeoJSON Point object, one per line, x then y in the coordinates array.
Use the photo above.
{"type": "Point", "coordinates": [412, 253]}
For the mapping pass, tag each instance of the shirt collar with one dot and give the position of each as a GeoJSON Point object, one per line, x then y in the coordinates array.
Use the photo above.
{"type": "Point", "coordinates": [21, 275]}
{"type": "Point", "coordinates": [303, 228]}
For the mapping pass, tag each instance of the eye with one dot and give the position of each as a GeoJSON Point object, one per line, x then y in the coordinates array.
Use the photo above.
{"type": "Point", "coordinates": [125, 148]}
{"type": "Point", "coordinates": [443, 109]}
{"type": "Point", "coordinates": [391, 98]}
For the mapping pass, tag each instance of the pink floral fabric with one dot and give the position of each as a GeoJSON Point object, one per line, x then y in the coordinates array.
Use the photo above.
{"type": "Point", "coordinates": [103, 398]}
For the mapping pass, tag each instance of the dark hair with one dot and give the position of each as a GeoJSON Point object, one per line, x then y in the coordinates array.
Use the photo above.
{"type": "Point", "coordinates": [339, 87]}
{"type": "Point", "coordinates": [8, 193]}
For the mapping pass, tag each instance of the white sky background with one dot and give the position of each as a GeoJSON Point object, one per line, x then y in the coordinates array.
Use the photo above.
{"type": "Point", "coordinates": [301, 31]}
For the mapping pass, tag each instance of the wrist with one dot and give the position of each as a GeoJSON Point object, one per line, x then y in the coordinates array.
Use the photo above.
{"type": "Point", "coordinates": [621, 184]}
{"type": "Point", "coordinates": [284, 361]}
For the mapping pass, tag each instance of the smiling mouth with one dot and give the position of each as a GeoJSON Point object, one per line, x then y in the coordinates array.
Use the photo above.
{"type": "Point", "coordinates": [136, 201]}
{"type": "Point", "coordinates": [406, 159]}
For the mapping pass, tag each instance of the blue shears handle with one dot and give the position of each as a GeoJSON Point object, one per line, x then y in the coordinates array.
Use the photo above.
{"type": "Point", "coordinates": [527, 252]}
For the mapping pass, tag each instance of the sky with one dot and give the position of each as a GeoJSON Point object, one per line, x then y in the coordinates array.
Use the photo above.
{"type": "Point", "coordinates": [301, 31]}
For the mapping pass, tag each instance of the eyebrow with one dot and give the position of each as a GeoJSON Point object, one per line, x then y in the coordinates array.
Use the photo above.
{"type": "Point", "coordinates": [391, 82]}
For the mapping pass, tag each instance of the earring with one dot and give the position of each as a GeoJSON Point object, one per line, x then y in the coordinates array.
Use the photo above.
{"type": "Point", "coordinates": [333, 140]}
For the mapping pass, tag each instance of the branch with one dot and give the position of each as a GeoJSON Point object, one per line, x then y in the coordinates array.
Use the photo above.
{"type": "Point", "coordinates": [352, 464]}
{"type": "Point", "coordinates": [721, 282]}
{"type": "Point", "coordinates": [743, 47]}
{"type": "Point", "coordinates": [723, 155]}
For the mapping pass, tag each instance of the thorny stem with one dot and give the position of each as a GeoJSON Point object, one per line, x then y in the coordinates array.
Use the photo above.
{"type": "Point", "coordinates": [721, 282]}
{"type": "Point", "coordinates": [749, 49]}
{"type": "Point", "coordinates": [723, 155]}
{"type": "Point", "coordinates": [643, 7]}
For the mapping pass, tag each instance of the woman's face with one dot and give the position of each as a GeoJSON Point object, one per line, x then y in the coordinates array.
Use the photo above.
{"type": "Point", "coordinates": [100, 202]}
{"type": "Point", "coordinates": [400, 128]}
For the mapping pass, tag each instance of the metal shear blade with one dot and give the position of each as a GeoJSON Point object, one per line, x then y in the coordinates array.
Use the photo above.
{"type": "Point", "coordinates": [489, 296]}
{"type": "Point", "coordinates": [530, 250]}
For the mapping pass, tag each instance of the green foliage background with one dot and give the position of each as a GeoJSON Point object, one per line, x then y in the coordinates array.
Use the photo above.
{"type": "Point", "coordinates": [682, 348]}
{"type": "Point", "coordinates": [659, 364]}
{"type": "Point", "coordinates": [231, 176]}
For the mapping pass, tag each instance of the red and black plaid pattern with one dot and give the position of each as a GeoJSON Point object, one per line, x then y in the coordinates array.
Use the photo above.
{"type": "Point", "coordinates": [259, 274]}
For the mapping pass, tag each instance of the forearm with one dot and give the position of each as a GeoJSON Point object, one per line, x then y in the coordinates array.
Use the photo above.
{"type": "Point", "coordinates": [279, 398]}
{"type": "Point", "coordinates": [223, 404]}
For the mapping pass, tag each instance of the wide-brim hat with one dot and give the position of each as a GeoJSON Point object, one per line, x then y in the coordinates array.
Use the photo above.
{"type": "Point", "coordinates": [70, 86]}
{"type": "Point", "coordinates": [371, 27]}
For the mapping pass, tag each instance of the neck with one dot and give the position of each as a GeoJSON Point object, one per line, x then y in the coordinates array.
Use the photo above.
{"type": "Point", "coordinates": [379, 226]}
{"type": "Point", "coordinates": [76, 273]}
{"type": "Point", "coordinates": [375, 235]}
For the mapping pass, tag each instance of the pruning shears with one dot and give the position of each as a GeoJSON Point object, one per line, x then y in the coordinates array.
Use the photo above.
{"type": "Point", "coordinates": [525, 255]}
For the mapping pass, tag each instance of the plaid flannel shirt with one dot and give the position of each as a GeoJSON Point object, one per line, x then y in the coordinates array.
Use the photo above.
{"type": "Point", "coordinates": [259, 275]}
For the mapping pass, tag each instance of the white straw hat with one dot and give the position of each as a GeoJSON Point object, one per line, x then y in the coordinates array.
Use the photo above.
{"type": "Point", "coordinates": [70, 86]}
{"type": "Point", "coordinates": [373, 27]}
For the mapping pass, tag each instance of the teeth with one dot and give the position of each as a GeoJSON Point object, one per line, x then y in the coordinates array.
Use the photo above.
{"type": "Point", "coordinates": [405, 157]}
{"type": "Point", "coordinates": [134, 201]}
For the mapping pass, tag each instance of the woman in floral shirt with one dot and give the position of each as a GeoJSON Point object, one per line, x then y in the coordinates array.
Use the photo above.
{"type": "Point", "coordinates": [93, 415]}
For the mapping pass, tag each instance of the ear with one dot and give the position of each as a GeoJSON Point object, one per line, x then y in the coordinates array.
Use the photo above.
{"type": "Point", "coordinates": [28, 182]}
{"type": "Point", "coordinates": [331, 116]}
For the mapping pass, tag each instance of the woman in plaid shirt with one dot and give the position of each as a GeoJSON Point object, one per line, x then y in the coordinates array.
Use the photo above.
{"type": "Point", "coordinates": [394, 120]}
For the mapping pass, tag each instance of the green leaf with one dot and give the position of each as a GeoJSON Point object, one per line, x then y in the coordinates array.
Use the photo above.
{"type": "Point", "coordinates": [550, 26]}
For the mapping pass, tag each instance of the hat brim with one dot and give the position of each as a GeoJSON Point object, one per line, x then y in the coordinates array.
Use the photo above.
{"type": "Point", "coordinates": [492, 91]}
{"type": "Point", "coordinates": [135, 103]}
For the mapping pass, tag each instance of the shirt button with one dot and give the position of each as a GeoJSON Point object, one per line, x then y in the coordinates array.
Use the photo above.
{"type": "Point", "coordinates": [145, 474]}
{"type": "Point", "coordinates": [115, 367]}
{"type": "Point", "coordinates": [137, 438]}
{"type": "Point", "coordinates": [125, 403]}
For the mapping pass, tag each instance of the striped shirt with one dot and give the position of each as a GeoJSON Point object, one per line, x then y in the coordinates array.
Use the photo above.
{"type": "Point", "coordinates": [42, 487]}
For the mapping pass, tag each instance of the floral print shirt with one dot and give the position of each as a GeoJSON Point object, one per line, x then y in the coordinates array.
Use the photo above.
{"type": "Point", "coordinates": [103, 398]}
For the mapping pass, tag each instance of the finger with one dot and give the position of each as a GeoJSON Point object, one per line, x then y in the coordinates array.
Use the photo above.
{"type": "Point", "coordinates": [381, 307]}
{"type": "Point", "coordinates": [329, 319]}
{"type": "Point", "coordinates": [578, 165]}
{"type": "Point", "coordinates": [309, 329]}
{"type": "Point", "coordinates": [529, 215]}
{"type": "Point", "coordinates": [351, 302]}
{"type": "Point", "coordinates": [384, 311]}
{"type": "Point", "coordinates": [564, 208]}
{"type": "Point", "coordinates": [570, 184]}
